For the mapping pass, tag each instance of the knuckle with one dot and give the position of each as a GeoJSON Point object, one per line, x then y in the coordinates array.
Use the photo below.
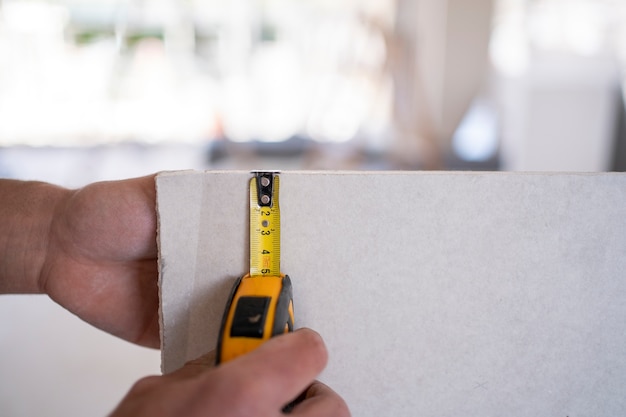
{"type": "Point", "coordinates": [330, 403]}
{"type": "Point", "coordinates": [238, 393]}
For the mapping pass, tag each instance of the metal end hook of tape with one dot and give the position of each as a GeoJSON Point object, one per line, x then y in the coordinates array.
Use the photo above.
{"type": "Point", "coordinates": [265, 187]}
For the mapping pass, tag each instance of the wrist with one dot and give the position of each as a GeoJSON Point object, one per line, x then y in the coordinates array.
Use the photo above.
{"type": "Point", "coordinates": [26, 214]}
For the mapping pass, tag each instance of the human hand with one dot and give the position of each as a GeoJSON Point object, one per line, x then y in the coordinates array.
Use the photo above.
{"type": "Point", "coordinates": [101, 258]}
{"type": "Point", "coordinates": [259, 383]}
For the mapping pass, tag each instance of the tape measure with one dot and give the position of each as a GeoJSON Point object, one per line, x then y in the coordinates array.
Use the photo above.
{"type": "Point", "coordinates": [260, 304]}
{"type": "Point", "coordinates": [264, 225]}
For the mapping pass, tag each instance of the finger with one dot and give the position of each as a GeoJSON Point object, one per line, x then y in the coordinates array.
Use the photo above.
{"type": "Point", "coordinates": [275, 373]}
{"type": "Point", "coordinates": [130, 206]}
{"type": "Point", "coordinates": [147, 185]}
{"type": "Point", "coordinates": [320, 400]}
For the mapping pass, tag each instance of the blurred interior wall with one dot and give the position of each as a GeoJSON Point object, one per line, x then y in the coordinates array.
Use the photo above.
{"type": "Point", "coordinates": [558, 83]}
{"type": "Point", "coordinates": [439, 61]}
{"type": "Point", "coordinates": [560, 114]}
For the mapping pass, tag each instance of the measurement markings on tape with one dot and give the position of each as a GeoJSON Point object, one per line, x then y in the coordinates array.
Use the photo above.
{"type": "Point", "coordinates": [264, 225]}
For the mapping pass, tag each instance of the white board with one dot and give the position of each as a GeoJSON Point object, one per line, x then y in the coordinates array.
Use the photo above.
{"type": "Point", "coordinates": [438, 294]}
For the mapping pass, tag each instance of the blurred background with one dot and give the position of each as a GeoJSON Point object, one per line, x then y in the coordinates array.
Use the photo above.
{"type": "Point", "coordinates": [105, 89]}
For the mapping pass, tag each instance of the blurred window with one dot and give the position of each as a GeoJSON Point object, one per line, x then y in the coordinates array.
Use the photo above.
{"type": "Point", "coordinates": [580, 27]}
{"type": "Point", "coordinates": [84, 72]}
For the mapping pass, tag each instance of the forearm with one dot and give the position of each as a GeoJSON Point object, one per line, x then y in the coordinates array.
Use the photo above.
{"type": "Point", "coordinates": [26, 212]}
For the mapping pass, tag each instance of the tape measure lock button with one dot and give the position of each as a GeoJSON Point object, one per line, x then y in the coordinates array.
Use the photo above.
{"type": "Point", "coordinates": [249, 318]}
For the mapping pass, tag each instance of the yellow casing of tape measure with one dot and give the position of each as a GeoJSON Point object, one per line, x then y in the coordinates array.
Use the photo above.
{"type": "Point", "coordinates": [259, 308]}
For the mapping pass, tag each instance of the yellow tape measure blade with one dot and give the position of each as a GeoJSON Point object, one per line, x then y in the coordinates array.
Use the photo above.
{"type": "Point", "coordinates": [264, 225]}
